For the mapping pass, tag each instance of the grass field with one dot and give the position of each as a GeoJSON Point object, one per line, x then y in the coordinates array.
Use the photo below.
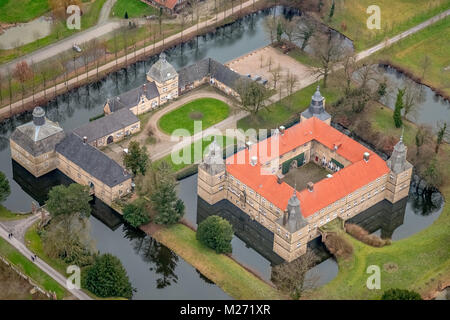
{"type": "Point", "coordinates": [410, 52]}
{"type": "Point", "coordinates": [89, 18]}
{"type": "Point", "coordinates": [396, 16]}
{"type": "Point", "coordinates": [6, 214]}
{"type": "Point", "coordinates": [134, 8]}
{"type": "Point", "coordinates": [31, 270]}
{"type": "Point", "coordinates": [225, 272]}
{"type": "Point", "coordinates": [287, 109]}
{"type": "Point", "coordinates": [14, 287]}
{"type": "Point", "coordinates": [208, 110]}
{"type": "Point", "coordinates": [22, 10]}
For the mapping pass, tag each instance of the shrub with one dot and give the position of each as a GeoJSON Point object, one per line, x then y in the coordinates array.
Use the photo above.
{"type": "Point", "coordinates": [216, 233]}
{"type": "Point", "coordinates": [400, 294]}
{"type": "Point", "coordinates": [108, 278]}
{"type": "Point", "coordinates": [136, 213]}
{"type": "Point", "coordinates": [5, 190]}
{"type": "Point", "coordinates": [337, 245]}
{"type": "Point", "coordinates": [363, 236]}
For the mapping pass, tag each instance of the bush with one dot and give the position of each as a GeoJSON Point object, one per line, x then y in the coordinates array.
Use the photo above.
{"type": "Point", "coordinates": [363, 236]}
{"type": "Point", "coordinates": [108, 278]}
{"type": "Point", "coordinates": [400, 294]}
{"type": "Point", "coordinates": [136, 213]}
{"type": "Point", "coordinates": [216, 233]}
{"type": "Point", "coordinates": [337, 245]}
{"type": "Point", "coordinates": [5, 190]}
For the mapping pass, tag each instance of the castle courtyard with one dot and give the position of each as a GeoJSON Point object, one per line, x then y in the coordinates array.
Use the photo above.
{"type": "Point", "coordinates": [299, 177]}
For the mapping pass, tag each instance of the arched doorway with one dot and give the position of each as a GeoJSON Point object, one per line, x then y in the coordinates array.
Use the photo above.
{"type": "Point", "coordinates": [110, 140]}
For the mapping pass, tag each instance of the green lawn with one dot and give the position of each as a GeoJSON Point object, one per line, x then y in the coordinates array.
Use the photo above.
{"type": "Point", "coordinates": [190, 151]}
{"type": "Point", "coordinates": [6, 214]}
{"type": "Point", "coordinates": [433, 42]}
{"type": "Point", "coordinates": [304, 58]}
{"type": "Point", "coordinates": [396, 16]}
{"type": "Point", "coordinates": [287, 109]}
{"type": "Point", "coordinates": [208, 110]}
{"type": "Point", "coordinates": [223, 271]}
{"type": "Point", "coordinates": [30, 269]}
{"type": "Point", "coordinates": [134, 8]}
{"type": "Point", "coordinates": [22, 10]}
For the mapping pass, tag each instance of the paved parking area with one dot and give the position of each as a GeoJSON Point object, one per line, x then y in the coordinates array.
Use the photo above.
{"type": "Point", "coordinates": [251, 64]}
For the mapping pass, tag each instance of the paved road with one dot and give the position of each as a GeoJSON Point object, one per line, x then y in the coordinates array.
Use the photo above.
{"type": "Point", "coordinates": [106, 10]}
{"type": "Point", "coordinates": [20, 246]}
{"type": "Point", "coordinates": [103, 27]}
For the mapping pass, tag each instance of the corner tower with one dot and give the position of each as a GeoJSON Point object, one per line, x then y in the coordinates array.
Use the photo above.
{"type": "Point", "coordinates": [289, 241]}
{"type": "Point", "coordinates": [316, 108]}
{"type": "Point", "coordinates": [33, 144]}
{"type": "Point", "coordinates": [211, 175]}
{"type": "Point", "coordinates": [165, 77]}
{"type": "Point", "coordinates": [397, 185]}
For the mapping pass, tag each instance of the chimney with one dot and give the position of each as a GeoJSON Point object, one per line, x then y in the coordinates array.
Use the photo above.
{"type": "Point", "coordinates": [366, 156]}
{"type": "Point", "coordinates": [279, 181]}
{"type": "Point", "coordinates": [310, 186]}
{"type": "Point", "coordinates": [253, 161]}
{"type": "Point", "coordinates": [84, 140]}
{"type": "Point", "coordinates": [282, 129]}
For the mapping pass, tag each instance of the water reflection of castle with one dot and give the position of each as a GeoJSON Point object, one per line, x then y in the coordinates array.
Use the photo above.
{"type": "Point", "coordinates": [383, 216]}
{"type": "Point", "coordinates": [38, 189]}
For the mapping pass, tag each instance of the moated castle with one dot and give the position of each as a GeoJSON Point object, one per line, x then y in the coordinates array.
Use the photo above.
{"type": "Point", "coordinates": [357, 179]}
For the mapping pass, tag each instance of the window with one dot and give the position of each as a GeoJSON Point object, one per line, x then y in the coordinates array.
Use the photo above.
{"type": "Point", "coordinates": [287, 235]}
{"type": "Point", "coordinates": [299, 244]}
{"type": "Point", "coordinates": [220, 187]}
{"type": "Point", "coordinates": [299, 233]}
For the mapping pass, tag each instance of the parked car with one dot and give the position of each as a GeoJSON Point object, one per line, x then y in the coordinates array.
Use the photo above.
{"type": "Point", "coordinates": [76, 48]}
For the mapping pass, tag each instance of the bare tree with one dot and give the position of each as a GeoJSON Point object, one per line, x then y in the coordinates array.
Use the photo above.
{"type": "Point", "coordinates": [269, 62]}
{"type": "Point", "coordinates": [182, 23]}
{"type": "Point", "coordinates": [423, 135]}
{"type": "Point", "coordinates": [349, 67]}
{"type": "Point", "coordinates": [291, 80]}
{"type": "Point", "coordinates": [425, 64]}
{"type": "Point", "coordinates": [270, 26]}
{"type": "Point", "coordinates": [276, 74]}
{"type": "Point", "coordinates": [1, 88]}
{"type": "Point", "coordinates": [442, 133]}
{"type": "Point", "coordinates": [414, 95]}
{"type": "Point", "coordinates": [291, 278]}
{"type": "Point", "coordinates": [9, 78]}
{"type": "Point", "coordinates": [23, 73]}
{"type": "Point", "coordinates": [329, 52]}
{"type": "Point", "coordinates": [252, 95]}
{"type": "Point", "coordinates": [304, 28]}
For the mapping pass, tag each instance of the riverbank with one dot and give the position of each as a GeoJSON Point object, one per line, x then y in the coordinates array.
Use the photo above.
{"type": "Point", "coordinates": [225, 272]}
{"type": "Point", "coordinates": [423, 57]}
{"type": "Point", "coordinates": [350, 18]}
{"type": "Point", "coordinates": [110, 62]}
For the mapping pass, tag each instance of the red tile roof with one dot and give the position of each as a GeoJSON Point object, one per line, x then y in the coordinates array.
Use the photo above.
{"type": "Point", "coordinates": [167, 3]}
{"type": "Point", "coordinates": [326, 191]}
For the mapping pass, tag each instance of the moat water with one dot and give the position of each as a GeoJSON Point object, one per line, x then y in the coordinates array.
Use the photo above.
{"type": "Point", "coordinates": [154, 270]}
